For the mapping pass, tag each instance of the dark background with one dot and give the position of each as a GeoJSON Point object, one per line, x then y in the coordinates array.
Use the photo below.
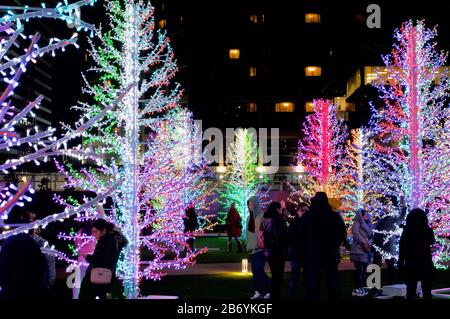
{"type": "Point", "coordinates": [218, 89]}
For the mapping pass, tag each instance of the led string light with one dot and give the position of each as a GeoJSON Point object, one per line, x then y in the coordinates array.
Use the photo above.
{"type": "Point", "coordinates": [242, 179]}
{"type": "Point", "coordinates": [409, 156]}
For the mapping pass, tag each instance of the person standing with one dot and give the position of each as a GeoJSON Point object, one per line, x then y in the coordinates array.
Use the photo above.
{"type": "Point", "coordinates": [106, 254]}
{"type": "Point", "coordinates": [190, 221]}
{"type": "Point", "coordinates": [285, 213]}
{"type": "Point", "coordinates": [415, 261]}
{"type": "Point", "coordinates": [360, 251]}
{"type": "Point", "coordinates": [322, 232]}
{"type": "Point", "coordinates": [50, 269]}
{"type": "Point", "coordinates": [233, 228]}
{"type": "Point", "coordinates": [294, 248]}
{"type": "Point", "coordinates": [22, 269]}
{"type": "Point", "coordinates": [382, 242]}
{"type": "Point", "coordinates": [275, 244]}
{"type": "Point", "coordinates": [84, 246]}
{"type": "Point", "coordinates": [255, 249]}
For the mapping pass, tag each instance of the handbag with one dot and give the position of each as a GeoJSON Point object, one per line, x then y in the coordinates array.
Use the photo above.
{"type": "Point", "coordinates": [101, 276]}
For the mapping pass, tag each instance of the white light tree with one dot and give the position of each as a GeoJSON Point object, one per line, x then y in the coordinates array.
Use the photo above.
{"type": "Point", "coordinates": [410, 134]}
{"type": "Point", "coordinates": [44, 144]}
{"type": "Point", "coordinates": [356, 174]}
{"type": "Point", "coordinates": [13, 65]}
{"type": "Point", "coordinates": [156, 173]}
{"type": "Point", "coordinates": [242, 179]}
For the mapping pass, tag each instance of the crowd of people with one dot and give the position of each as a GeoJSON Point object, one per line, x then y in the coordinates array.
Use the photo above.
{"type": "Point", "coordinates": [28, 271]}
{"type": "Point", "coordinates": [309, 236]}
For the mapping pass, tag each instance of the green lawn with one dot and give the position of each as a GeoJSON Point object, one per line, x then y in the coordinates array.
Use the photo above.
{"type": "Point", "coordinates": [221, 255]}
{"type": "Point", "coordinates": [240, 286]}
{"type": "Point", "coordinates": [233, 285]}
{"type": "Point", "coordinates": [230, 286]}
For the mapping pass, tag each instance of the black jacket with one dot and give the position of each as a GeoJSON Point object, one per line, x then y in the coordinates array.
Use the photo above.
{"type": "Point", "coordinates": [274, 233]}
{"type": "Point", "coordinates": [294, 233]}
{"type": "Point", "coordinates": [190, 221]}
{"type": "Point", "coordinates": [22, 268]}
{"type": "Point", "coordinates": [321, 235]}
{"type": "Point", "coordinates": [415, 258]}
{"type": "Point", "coordinates": [106, 252]}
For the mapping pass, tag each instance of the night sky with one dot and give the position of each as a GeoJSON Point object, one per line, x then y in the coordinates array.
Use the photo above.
{"type": "Point", "coordinates": [206, 24]}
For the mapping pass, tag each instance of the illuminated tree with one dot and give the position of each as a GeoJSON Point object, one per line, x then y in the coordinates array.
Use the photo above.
{"type": "Point", "coordinates": [410, 154]}
{"type": "Point", "coordinates": [145, 144]}
{"type": "Point", "coordinates": [41, 144]}
{"type": "Point", "coordinates": [320, 152]}
{"type": "Point", "coordinates": [242, 179]}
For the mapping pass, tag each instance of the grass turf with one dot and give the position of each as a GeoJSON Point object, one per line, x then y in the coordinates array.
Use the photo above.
{"type": "Point", "coordinates": [236, 286]}
{"type": "Point", "coordinates": [229, 286]}
{"type": "Point", "coordinates": [219, 252]}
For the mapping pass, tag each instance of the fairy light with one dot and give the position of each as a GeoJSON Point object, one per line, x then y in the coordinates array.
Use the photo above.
{"type": "Point", "coordinates": [241, 179]}
{"type": "Point", "coordinates": [410, 134]}
{"type": "Point", "coordinates": [320, 153]}
{"type": "Point", "coordinates": [159, 176]}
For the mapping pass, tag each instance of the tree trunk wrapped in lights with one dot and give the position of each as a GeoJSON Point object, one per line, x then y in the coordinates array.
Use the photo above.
{"type": "Point", "coordinates": [145, 144]}
{"type": "Point", "coordinates": [320, 153]}
{"type": "Point", "coordinates": [242, 179]}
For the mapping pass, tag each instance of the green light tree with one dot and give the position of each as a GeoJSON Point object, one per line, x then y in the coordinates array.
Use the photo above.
{"type": "Point", "coordinates": [243, 178]}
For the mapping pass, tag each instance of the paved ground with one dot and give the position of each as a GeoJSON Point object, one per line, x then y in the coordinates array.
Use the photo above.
{"type": "Point", "coordinates": [226, 268]}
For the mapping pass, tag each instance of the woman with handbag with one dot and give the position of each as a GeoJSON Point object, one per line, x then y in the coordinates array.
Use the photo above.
{"type": "Point", "coordinates": [102, 264]}
{"type": "Point", "coordinates": [360, 252]}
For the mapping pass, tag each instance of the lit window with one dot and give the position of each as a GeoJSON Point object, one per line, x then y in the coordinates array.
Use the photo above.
{"type": "Point", "coordinates": [309, 107]}
{"type": "Point", "coordinates": [252, 107]}
{"type": "Point", "coordinates": [254, 18]}
{"type": "Point", "coordinates": [313, 71]}
{"type": "Point", "coordinates": [343, 105]}
{"type": "Point", "coordinates": [162, 23]}
{"type": "Point", "coordinates": [312, 18]}
{"type": "Point", "coordinates": [262, 17]}
{"type": "Point", "coordinates": [234, 54]}
{"type": "Point", "coordinates": [252, 71]}
{"type": "Point", "coordinates": [284, 107]}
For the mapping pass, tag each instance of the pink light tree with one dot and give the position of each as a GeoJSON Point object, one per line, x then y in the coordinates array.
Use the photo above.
{"type": "Point", "coordinates": [321, 151]}
{"type": "Point", "coordinates": [409, 157]}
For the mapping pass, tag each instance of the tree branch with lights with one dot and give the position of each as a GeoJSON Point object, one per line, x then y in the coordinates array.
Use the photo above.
{"type": "Point", "coordinates": [410, 134]}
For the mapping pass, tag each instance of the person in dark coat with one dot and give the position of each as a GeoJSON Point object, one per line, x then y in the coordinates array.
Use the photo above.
{"type": "Point", "coordinates": [106, 254]}
{"type": "Point", "coordinates": [190, 221]}
{"type": "Point", "coordinates": [415, 261]}
{"type": "Point", "coordinates": [22, 269]}
{"type": "Point", "coordinates": [233, 227]}
{"type": "Point", "coordinates": [294, 247]}
{"type": "Point", "coordinates": [50, 273]}
{"type": "Point", "coordinates": [275, 245]}
{"type": "Point", "coordinates": [387, 224]}
{"type": "Point", "coordinates": [322, 232]}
